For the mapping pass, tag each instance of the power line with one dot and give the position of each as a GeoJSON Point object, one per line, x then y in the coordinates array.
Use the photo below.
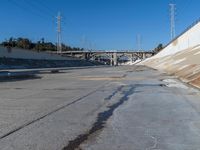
{"type": "Point", "coordinates": [45, 8]}
{"type": "Point", "coordinates": [41, 8]}
{"type": "Point", "coordinates": [186, 5]}
{"type": "Point", "coordinates": [37, 10]}
{"type": "Point", "coordinates": [22, 7]}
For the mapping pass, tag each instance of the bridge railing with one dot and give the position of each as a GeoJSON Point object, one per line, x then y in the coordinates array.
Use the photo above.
{"type": "Point", "coordinates": [101, 51]}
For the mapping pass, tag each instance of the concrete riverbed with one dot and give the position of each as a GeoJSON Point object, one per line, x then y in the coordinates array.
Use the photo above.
{"type": "Point", "coordinates": [105, 108]}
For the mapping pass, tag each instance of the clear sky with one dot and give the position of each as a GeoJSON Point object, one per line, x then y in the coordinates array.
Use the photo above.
{"type": "Point", "coordinates": [97, 24]}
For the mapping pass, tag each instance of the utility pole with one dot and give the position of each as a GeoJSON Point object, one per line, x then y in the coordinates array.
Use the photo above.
{"type": "Point", "coordinates": [59, 43]}
{"type": "Point", "coordinates": [172, 21]}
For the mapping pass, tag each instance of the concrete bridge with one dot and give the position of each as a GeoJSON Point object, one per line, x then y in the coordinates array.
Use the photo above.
{"type": "Point", "coordinates": [113, 56]}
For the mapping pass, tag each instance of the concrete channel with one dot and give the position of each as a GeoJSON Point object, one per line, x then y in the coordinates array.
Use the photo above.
{"type": "Point", "coordinates": [116, 108]}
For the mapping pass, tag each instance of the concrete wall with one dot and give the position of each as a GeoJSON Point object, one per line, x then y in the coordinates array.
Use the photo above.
{"type": "Point", "coordinates": [28, 54]}
{"type": "Point", "coordinates": [187, 40]}
{"type": "Point", "coordinates": [181, 57]}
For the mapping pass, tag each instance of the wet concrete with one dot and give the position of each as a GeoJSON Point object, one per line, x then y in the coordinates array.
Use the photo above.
{"type": "Point", "coordinates": [104, 116]}
{"type": "Point", "coordinates": [101, 119]}
{"type": "Point", "coordinates": [114, 93]}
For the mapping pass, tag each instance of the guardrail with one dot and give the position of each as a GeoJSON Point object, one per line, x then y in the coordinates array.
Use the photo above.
{"type": "Point", "coordinates": [68, 52]}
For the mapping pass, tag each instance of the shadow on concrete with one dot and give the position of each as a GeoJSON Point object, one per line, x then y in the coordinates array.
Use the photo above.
{"type": "Point", "coordinates": [19, 78]}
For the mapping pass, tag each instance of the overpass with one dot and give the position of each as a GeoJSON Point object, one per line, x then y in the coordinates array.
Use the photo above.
{"type": "Point", "coordinates": [113, 55]}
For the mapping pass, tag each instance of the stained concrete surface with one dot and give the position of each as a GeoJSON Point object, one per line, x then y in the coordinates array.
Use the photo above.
{"type": "Point", "coordinates": [119, 108]}
{"type": "Point", "coordinates": [184, 64]}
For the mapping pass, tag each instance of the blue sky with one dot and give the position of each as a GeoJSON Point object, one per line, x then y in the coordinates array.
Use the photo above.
{"type": "Point", "coordinates": [96, 24]}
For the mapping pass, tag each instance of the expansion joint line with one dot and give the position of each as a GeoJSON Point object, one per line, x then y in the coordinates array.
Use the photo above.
{"type": "Point", "coordinates": [50, 113]}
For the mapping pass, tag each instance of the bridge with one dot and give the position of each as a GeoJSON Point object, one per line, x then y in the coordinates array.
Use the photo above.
{"type": "Point", "coordinates": [113, 56]}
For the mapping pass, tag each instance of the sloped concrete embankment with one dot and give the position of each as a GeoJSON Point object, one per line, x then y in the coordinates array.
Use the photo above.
{"type": "Point", "coordinates": [181, 57]}
{"type": "Point", "coordinates": [23, 59]}
{"type": "Point", "coordinates": [13, 63]}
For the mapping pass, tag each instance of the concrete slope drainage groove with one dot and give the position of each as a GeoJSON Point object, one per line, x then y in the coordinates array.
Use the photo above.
{"type": "Point", "coordinates": [49, 113]}
{"type": "Point", "coordinates": [100, 122]}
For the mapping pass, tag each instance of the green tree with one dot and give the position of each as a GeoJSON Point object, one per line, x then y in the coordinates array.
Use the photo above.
{"type": "Point", "coordinates": [158, 48]}
{"type": "Point", "coordinates": [23, 43]}
{"type": "Point", "coordinates": [41, 45]}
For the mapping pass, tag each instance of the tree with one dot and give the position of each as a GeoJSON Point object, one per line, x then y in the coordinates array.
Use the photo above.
{"type": "Point", "coordinates": [41, 45]}
{"type": "Point", "coordinates": [23, 43]}
{"type": "Point", "coordinates": [158, 48]}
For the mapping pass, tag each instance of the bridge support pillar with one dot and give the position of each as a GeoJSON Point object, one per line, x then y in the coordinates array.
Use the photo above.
{"type": "Point", "coordinates": [86, 56]}
{"type": "Point", "coordinates": [113, 59]}
{"type": "Point", "coordinates": [144, 56]}
{"type": "Point", "coordinates": [132, 56]}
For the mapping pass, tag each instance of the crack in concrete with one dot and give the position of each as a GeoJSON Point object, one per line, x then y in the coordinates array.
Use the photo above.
{"type": "Point", "coordinates": [100, 122]}
{"type": "Point", "coordinates": [154, 147]}
{"type": "Point", "coordinates": [49, 113]}
{"type": "Point", "coordinates": [104, 116]}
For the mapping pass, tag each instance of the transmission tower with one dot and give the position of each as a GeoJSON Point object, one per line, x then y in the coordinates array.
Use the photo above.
{"type": "Point", "coordinates": [172, 21]}
{"type": "Point", "coordinates": [59, 43]}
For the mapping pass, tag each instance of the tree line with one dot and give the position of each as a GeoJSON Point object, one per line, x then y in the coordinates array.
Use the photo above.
{"type": "Point", "coordinates": [40, 45]}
